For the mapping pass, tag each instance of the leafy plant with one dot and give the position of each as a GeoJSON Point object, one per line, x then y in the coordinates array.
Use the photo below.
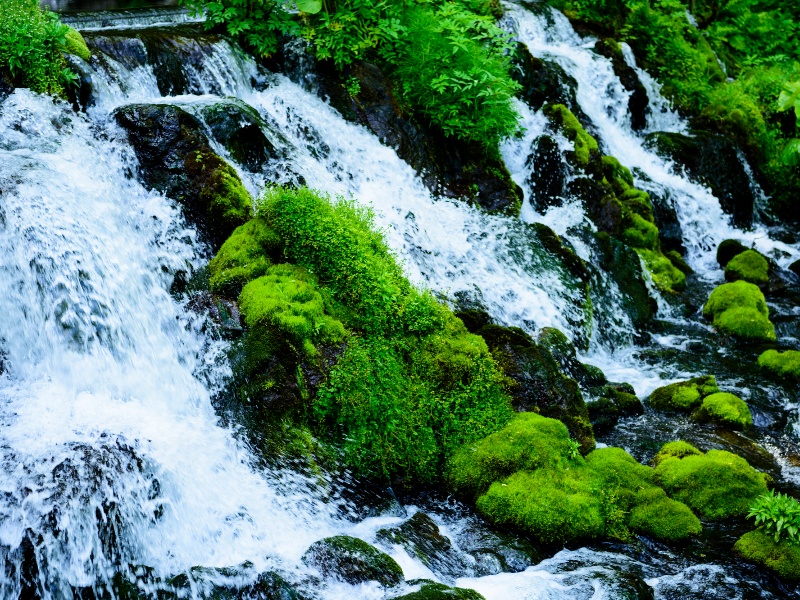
{"type": "Point", "coordinates": [778, 515]}
{"type": "Point", "coordinates": [790, 100]}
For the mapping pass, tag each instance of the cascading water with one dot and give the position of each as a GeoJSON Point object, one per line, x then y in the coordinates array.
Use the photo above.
{"type": "Point", "coordinates": [111, 449]}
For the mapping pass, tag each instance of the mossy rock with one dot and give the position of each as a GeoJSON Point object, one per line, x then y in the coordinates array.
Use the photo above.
{"type": "Point", "coordinates": [783, 364]}
{"type": "Point", "coordinates": [421, 538]}
{"type": "Point", "coordinates": [528, 442]}
{"type": "Point", "coordinates": [612, 405]}
{"type": "Point", "coordinates": [750, 266]}
{"type": "Point", "coordinates": [75, 44]}
{"type": "Point", "coordinates": [677, 449]}
{"type": "Point", "coordinates": [585, 146]}
{"type": "Point", "coordinates": [678, 262]}
{"type": "Point", "coordinates": [716, 485]}
{"type": "Point", "coordinates": [761, 548]}
{"type": "Point", "coordinates": [726, 409]}
{"type": "Point", "coordinates": [727, 250]}
{"type": "Point", "coordinates": [683, 396]}
{"type": "Point", "coordinates": [244, 256]}
{"type": "Point", "coordinates": [438, 591]}
{"type": "Point", "coordinates": [353, 560]}
{"type": "Point", "coordinates": [665, 519]}
{"type": "Point", "coordinates": [564, 354]}
{"type": "Point", "coordinates": [739, 309]}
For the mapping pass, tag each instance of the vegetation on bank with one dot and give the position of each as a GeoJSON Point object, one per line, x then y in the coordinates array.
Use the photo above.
{"type": "Point", "coordinates": [775, 544]}
{"type": "Point", "coordinates": [32, 43]}
{"type": "Point", "coordinates": [448, 60]}
{"type": "Point", "coordinates": [731, 65]}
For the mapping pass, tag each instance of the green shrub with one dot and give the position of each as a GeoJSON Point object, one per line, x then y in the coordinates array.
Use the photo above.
{"type": "Point", "coordinates": [748, 266]}
{"type": "Point", "coordinates": [783, 364]}
{"type": "Point", "coordinates": [527, 443]}
{"type": "Point", "coordinates": [777, 515]}
{"type": "Point", "coordinates": [717, 484]}
{"type": "Point", "coordinates": [739, 309]}
{"type": "Point", "coordinates": [781, 557]}
{"type": "Point", "coordinates": [683, 396]}
{"type": "Point", "coordinates": [287, 298]}
{"type": "Point", "coordinates": [677, 449]}
{"type": "Point", "coordinates": [31, 42]}
{"type": "Point", "coordinates": [451, 66]}
{"type": "Point", "coordinates": [725, 409]}
{"type": "Point", "coordinates": [243, 257]}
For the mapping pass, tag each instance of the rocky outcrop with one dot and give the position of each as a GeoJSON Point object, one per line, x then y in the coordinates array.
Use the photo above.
{"type": "Point", "coordinates": [638, 102]}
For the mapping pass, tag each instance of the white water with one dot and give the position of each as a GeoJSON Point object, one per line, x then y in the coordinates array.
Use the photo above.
{"type": "Point", "coordinates": [602, 97]}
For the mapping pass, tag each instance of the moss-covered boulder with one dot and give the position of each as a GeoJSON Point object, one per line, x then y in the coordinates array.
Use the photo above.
{"type": "Point", "coordinates": [739, 309]}
{"type": "Point", "coordinates": [421, 538]}
{"type": "Point", "coordinates": [564, 354]}
{"type": "Point", "coordinates": [750, 266]}
{"type": "Point", "coordinates": [536, 381]}
{"type": "Point", "coordinates": [683, 396]}
{"type": "Point", "coordinates": [783, 364]}
{"type": "Point", "coordinates": [75, 44]}
{"type": "Point", "coordinates": [725, 409]}
{"type": "Point", "coordinates": [614, 401]}
{"type": "Point", "coordinates": [244, 256]}
{"type": "Point", "coordinates": [676, 449]}
{"type": "Point", "coordinates": [353, 560]}
{"type": "Point", "coordinates": [716, 484]}
{"type": "Point", "coordinates": [727, 250]}
{"type": "Point", "coordinates": [175, 157]}
{"type": "Point", "coordinates": [781, 557]}
{"type": "Point", "coordinates": [431, 590]}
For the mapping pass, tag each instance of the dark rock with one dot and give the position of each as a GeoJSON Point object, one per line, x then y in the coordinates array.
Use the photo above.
{"type": "Point", "coordinates": [728, 250]}
{"type": "Point", "coordinates": [224, 313]}
{"type": "Point", "coordinates": [437, 591]}
{"type": "Point", "coordinates": [497, 552]}
{"type": "Point", "coordinates": [353, 560]}
{"type": "Point", "coordinates": [474, 319]}
{"type": "Point", "coordinates": [547, 181]}
{"type": "Point", "coordinates": [795, 267]}
{"type": "Point", "coordinates": [175, 158]}
{"type": "Point", "coordinates": [421, 538]}
{"type": "Point", "coordinates": [538, 384]}
{"type": "Point", "coordinates": [603, 207]}
{"type": "Point", "coordinates": [670, 232]}
{"type": "Point", "coordinates": [604, 415]}
{"type": "Point", "coordinates": [544, 82]}
{"type": "Point", "coordinates": [6, 89]}
{"type": "Point", "coordinates": [623, 265]}
{"type": "Point", "coordinates": [714, 160]}
{"type": "Point", "coordinates": [240, 128]}
{"type": "Point", "coordinates": [614, 402]}
{"type": "Point", "coordinates": [79, 95]}
{"type": "Point", "coordinates": [638, 103]}
{"type": "Point", "coordinates": [560, 249]}
{"type": "Point", "coordinates": [564, 354]}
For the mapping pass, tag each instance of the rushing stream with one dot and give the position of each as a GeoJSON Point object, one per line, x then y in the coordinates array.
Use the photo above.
{"type": "Point", "coordinates": [111, 448]}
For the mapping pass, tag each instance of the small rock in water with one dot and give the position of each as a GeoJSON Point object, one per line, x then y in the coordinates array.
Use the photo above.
{"type": "Point", "coordinates": [353, 560]}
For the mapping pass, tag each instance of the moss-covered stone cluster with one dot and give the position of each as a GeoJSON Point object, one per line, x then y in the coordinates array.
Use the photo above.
{"type": "Point", "coordinates": [530, 476]}
{"type": "Point", "coordinates": [739, 309]}
{"type": "Point", "coordinates": [783, 364]}
{"type": "Point", "coordinates": [703, 399]}
{"type": "Point", "coordinates": [614, 203]}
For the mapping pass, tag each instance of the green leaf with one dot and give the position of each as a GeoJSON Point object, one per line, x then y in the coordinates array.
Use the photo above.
{"type": "Point", "coordinates": [311, 7]}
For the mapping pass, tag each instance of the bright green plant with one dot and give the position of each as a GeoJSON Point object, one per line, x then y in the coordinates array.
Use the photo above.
{"type": "Point", "coordinates": [790, 100]}
{"type": "Point", "coordinates": [783, 364]}
{"type": "Point", "coordinates": [779, 516]}
{"type": "Point", "coordinates": [31, 42]}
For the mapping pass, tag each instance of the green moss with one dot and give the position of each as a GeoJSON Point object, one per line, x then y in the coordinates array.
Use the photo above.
{"type": "Point", "coordinates": [665, 274]}
{"type": "Point", "coordinates": [665, 519]}
{"type": "Point", "coordinates": [727, 250]}
{"type": "Point", "coordinates": [244, 256]}
{"type": "Point", "coordinates": [748, 266]}
{"type": "Point", "coordinates": [528, 442]}
{"type": "Point", "coordinates": [353, 560]}
{"type": "Point", "coordinates": [585, 144]}
{"type": "Point", "coordinates": [75, 44]}
{"type": "Point", "coordinates": [725, 409]}
{"type": "Point", "coordinates": [739, 309]}
{"type": "Point", "coordinates": [287, 298]}
{"type": "Point", "coordinates": [437, 591]}
{"type": "Point", "coordinates": [717, 484]}
{"type": "Point", "coordinates": [678, 261]}
{"type": "Point", "coordinates": [783, 364]}
{"type": "Point", "coordinates": [782, 557]}
{"type": "Point", "coordinates": [640, 233]}
{"type": "Point", "coordinates": [683, 396]}
{"type": "Point", "coordinates": [677, 449]}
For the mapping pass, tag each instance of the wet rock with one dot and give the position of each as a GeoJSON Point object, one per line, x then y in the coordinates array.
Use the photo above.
{"type": "Point", "coordinates": [224, 313]}
{"type": "Point", "coordinates": [683, 396]}
{"type": "Point", "coordinates": [456, 170]}
{"type": "Point", "coordinates": [80, 95]}
{"type": "Point", "coordinates": [560, 248]}
{"type": "Point", "coordinates": [712, 159]}
{"type": "Point", "coordinates": [421, 538]}
{"type": "Point", "coordinates": [795, 267]}
{"type": "Point", "coordinates": [240, 128]}
{"type": "Point", "coordinates": [6, 89]}
{"type": "Point", "coordinates": [548, 176]}
{"type": "Point", "coordinates": [544, 82]}
{"type": "Point", "coordinates": [353, 560]}
{"type": "Point", "coordinates": [638, 103]}
{"type": "Point", "coordinates": [430, 590]}
{"type": "Point", "coordinates": [496, 551]}
{"type": "Point", "coordinates": [538, 385]}
{"type": "Point", "coordinates": [727, 250]}
{"type": "Point", "coordinates": [670, 232]}
{"type": "Point", "coordinates": [614, 402]}
{"type": "Point", "coordinates": [565, 355]}
{"type": "Point", "coordinates": [176, 159]}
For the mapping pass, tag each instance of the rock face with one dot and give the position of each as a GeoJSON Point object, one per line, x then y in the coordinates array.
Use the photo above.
{"type": "Point", "coordinates": [549, 174]}
{"type": "Point", "coordinates": [638, 103]}
{"type": "Point", "coordinates": [353, 560]}
{"type": "Point", "coordinates": [457, 170]}
{"type": "Point", "coordinates": [713, 160]}
{"type": "Point", "coordinates": [544, 82]}
{"type": "Point", "coordinates": [176, 159]}
{"type": "Point", "coordinates": [538, 384]}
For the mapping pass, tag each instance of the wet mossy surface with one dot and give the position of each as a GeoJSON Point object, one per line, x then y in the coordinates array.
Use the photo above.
{"type": "Point", "coordinates": [683, 396]}
{"type": "Point", "coordinates": [783, 364]}
{"type": "Point", "coordinates": [725, 409]}
{"type": "Point", "coordinates": [353, 560]}
{"type": "Point", "coordinates": [781, 557]}
{"type": "Point", "coordinates": [750, 266]}
{"type": "Point", "coordinates": [739, 309]}
{"type": "Point", "coordinates": [430, 590]}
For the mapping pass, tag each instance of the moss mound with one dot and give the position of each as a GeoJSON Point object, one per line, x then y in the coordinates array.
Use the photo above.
{"type": "Point", "coordinates": [748, 266]}
{"type": "Point", "coordinates": [75, 44]}
{"type": "Point", "coordinates": [739, 309]}
{"type": "Point", "coordinates": [727, 250]}
{"type": "Point", "coordinates": [683, 396]}
{"type": "Point", "coordinates": [439, 591]}
{"type": "Point", "coordinates": [665, 519]}
{"type": "Point", "coordinates": [244, 256]}
{"type": "Point", "coordinates": [528, 442]}
{"type": "Point", "coordinates": [353, 560]}
{"type": "Point", "coordinates": [677, 449]}
{"type": "Point", "coordinates": [717, 484]}
{"type": "Point", "coordinates": [783, 364]}
{"type": "Point", "coordinates": [781, 557]}
{"type": "Point", "coordinates": [725, 409]}
{"type": "Point", "coordinates": [585, 144]}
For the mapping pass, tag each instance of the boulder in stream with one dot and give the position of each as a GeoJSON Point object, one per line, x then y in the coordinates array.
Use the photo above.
{"type": "Point", "coordinates": [353, 560]}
